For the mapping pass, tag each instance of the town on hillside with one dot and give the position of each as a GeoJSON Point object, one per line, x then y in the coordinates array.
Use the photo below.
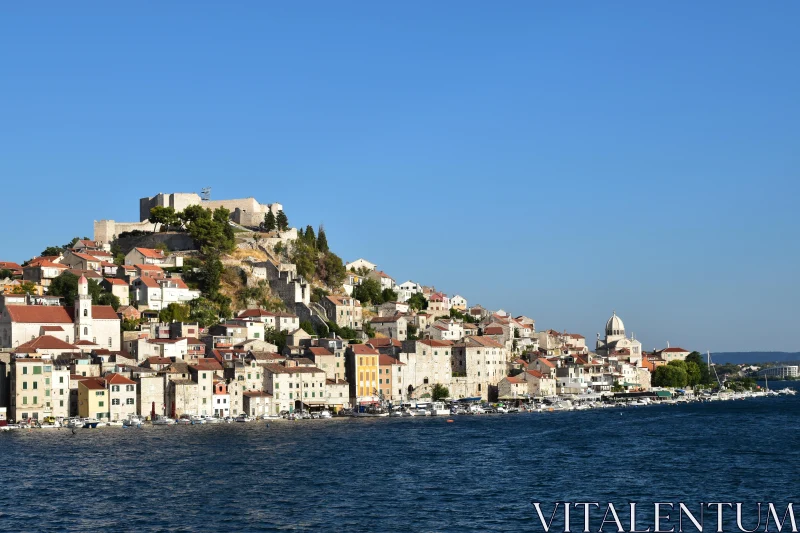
{"type": "Point", "coordinates": [220, 308]}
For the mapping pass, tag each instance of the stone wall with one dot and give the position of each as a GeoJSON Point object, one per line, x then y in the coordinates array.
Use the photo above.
{"type": "Point", "coordinates": [176, 242]}
{"type": "Point", "coordinates": [105, 231]}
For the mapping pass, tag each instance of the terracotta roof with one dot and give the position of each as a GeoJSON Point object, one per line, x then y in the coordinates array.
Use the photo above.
{"type": "Point", "coordinates": [207, 364]}
{"type": "Point", "coordinates": [43, 263]}
{"type": "Point", "coordinates": [118, 379]}
{"type": "Point", "coordinates": [256, 394]}
{"type": "Point", "coordinates": [155, 360]}
{"type": "Point", "coordinates": [318, 350]}
{"type": "Point", "coordinates": [363, 349]}
{"type": "Point", "coordinates": [155, 268]}
{"type": "Point", "coordinates": [45, 342]}
{"type": "Point", "coordinates": [535, 373]}
{"type": "Point", "coordinates": [252, 313]}
{"type": "Point", "coordinates": [335, 382]}
{"type": "Point", "coordinates": [436, 344]}
{"type": "Point", "coordinates": [276, 368]}
{"type": "Point", "coordinates": [52, 328]}
{"type": "Point", "coordinates": [85, 257]}
{"type": "Point", "coordinates": [93, 384]}
{"type": "Point", "coordinates": [85, 343]}
{"type": "Point", "coordinates": [545, 362]}
{"type": "Point", "coordinates": [493, 330]}
{"type": "Point", "coordinates": [512, 379]}
{"type": "Point", "coordinates": [486, 342]}
{"type": "Point", "coordinates": [115, 281]}
{"type": "Point", "coordinates": [9, 265]}
{"type": "Point", "coordinates": [148, 282]}
{"type": "Point", "coordinates": [386, 319]}
{"type": "Point", "coordinates": [386, 360]}
{"type": "Point", "coordinates": [150, 252]}
{"type": "Point", "coordinates": [674, 349]}
{"type": "Point", "coordinates": [42, 314]}
{"type": "Point", "coordinates": [384, 342]}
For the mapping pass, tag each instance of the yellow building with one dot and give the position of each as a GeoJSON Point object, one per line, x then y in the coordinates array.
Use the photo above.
{"type": "Point", "coordinates": [93, 399]}
{"type": "Point", "coordinates": [361, 361]}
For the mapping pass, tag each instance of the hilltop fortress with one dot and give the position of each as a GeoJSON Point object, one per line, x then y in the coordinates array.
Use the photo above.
{"type": "Point", "coordinates": [244, 211]}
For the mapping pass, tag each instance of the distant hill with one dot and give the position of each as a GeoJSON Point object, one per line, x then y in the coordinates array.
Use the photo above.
{"type": "Point", "coordinates": [753, 357]}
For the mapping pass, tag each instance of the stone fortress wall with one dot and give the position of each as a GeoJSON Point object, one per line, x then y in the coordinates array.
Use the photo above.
{"type": "Point", "coordinates": [244, 211]}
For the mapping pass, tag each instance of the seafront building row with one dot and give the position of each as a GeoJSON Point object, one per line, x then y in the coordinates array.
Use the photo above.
{"type": "Point", "coordinates": [227, 370]}
{"type": "Point", "coordinates": [60, 360]}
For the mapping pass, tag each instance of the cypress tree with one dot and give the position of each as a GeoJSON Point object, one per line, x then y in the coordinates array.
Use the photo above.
{"type": "Point", "coordinates": [322, 240]}
{"type": "Point", "coordinates": [269, 221]}
{"type": "Point", "coordinates": [282, 221]}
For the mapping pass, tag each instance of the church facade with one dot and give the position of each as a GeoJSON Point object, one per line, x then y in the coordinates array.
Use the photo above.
{"type": "Point", "coordinates": [96, 324]}
{"type": "Point", "coordinates": [617, 344]}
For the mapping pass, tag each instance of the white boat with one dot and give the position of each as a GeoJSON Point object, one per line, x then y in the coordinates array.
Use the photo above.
{"type": "Point", "coordinates": [439, 409]}
{"type": "Point", "coordinates": [90, 422]}
{"type": "Point", "coordinates": [133, 421]}
{"type": "Point", "coordinates": [73, 422]}
{"type": "Point", "coordinates": [244, 418]}
{"type": "Point", "coordinates": [325, 414]}
{"type": "Point", "coordinates": [197, 419]}
{"type": "Point", "coordinates": [213, 420]}
{"type": "Point", "coordinates": [163, 421]}
{"type": "Point", "coordinates": [183, 421]}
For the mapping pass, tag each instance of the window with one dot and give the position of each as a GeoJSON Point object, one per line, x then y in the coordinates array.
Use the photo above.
{"type": "Point", "coordinates": [99, 393]}
{"type": "Point", "coordinates": [25, 402]}
{"type": "Point", "coordinates": [94, 340]}
{"type": "Point", "coordinates": [67, 338]}
{"type": "Point", "coordinates": [290, 395]}
{"type": "Point", "coordinates": [114, 388]}
{"type": "Point", "coordinates": [101, 404]}
{"type": "Point", "coordinates": [37, 370]}
{"type": "Point", "coordinates": [85, 312]}
{"type": "Point", "coordinates": [129, 401]}
{"type": "Point", "coordinates": [24, 369]}
{"type": "Point", "coordinates": [35, 385]}
{"type": "Point", "coordinates": [115, 401]}
{"type": "Point", "coordinates": [35, 399]}
{"type": "Point", "coordinates": [129, 388]}
{"type": "Point", "coordinates": [24, 385]}
{"type": "Point", "coordinates": [109, 342]}
{"type": "Point", "coordinates": [85, 331]}
{"type": "Point", "coordinates": [61, 403]}
{"type": "Point", "coordinates": [47, 392]}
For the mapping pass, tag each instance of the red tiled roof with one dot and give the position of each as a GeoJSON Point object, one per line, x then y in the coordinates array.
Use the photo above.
{"type": "Point", "coordinates": [545, 362]}
{"type": "Point", "coordinates": [207, 364]}
{"type": "Point", "coordinates": [383, 342]}
{"type": "Point", "coordinates": [386, 360]}
{"type": "Point", "coordinates": [154, 268]}
{"type": "Point", "coordinates": [45, 342]}
{"type": "Point", "coordinates": [318, 350]}
{"type": "Point", "coordinates": [85, 257]}
{"type": "Point", "coordinates": [52, 328]}
{"type": "Point", "coordinates": [494, 330]}
{"type": "Point", "coordinates": [43, 263]}
{"type": "Point", "coordinates": [150, 253]}
{"type": "Point", "coordinates": [535, 373]}
{"type": "Point", "coordinates": [512, 379]}
{"type": "Point", "coordinates": [363, 349]}
{"type": "Point", "coordinates": [436, 344]}
{"type": "Point", "coordinates": [116, 281]}
{"type": "Point", "coordinates": [674, 349]}
{"type": "Point", "coordinates": [148, 282]}
{"type": "Point", "coordinates": [93, 384]}
{"type": "Point", "coordinates": [118, 379]}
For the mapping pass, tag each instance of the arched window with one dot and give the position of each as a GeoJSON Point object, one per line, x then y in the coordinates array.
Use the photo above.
{"type": "Point", "coordinates": [85, 312]}
{"type": "Point", "coordinates": [85, 331]}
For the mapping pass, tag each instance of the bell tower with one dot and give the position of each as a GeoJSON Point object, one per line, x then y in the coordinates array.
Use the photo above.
{"type": "Point", "coordinates": [83, 312]}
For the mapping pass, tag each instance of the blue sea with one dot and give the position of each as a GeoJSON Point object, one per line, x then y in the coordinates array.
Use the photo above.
{"type": "Point", "coordinates": [479, 473]}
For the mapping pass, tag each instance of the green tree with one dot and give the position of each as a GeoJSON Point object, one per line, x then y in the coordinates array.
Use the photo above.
{"type": "Point", "coordinates": [322, 240]}
{"type": "Point", "coordinates": [369, 291]}
{"type": "Point", "coordinates": [699, 360]}
{"type": "Point", "coordinates": [210, 272]}
{"type": "Point", "coordinates": [693, 374]}
{"type": "Point", "coordinates": [309, 237]}
{"type": "Point", "coordinates": [318, 294]}
{"type": "Point", "coordinates": [388, 295]}
{"type": "Point", "coordinates": [417, 302]}
{"type": "Point", "coordinates": [130, 324]}
{"type": "Point", "coordinates": [411, 332]}
{"type": "Point", "coordinates": [52, 250]}
{"type": "Point", "coordinates": [106, 298]}
{"type": "Point", "coordinates": [670, 376]}
{"type": "Point", "coordinates": [204, 312]}
{"type": "Point", "coordinates": [161, 215]}
{"type": "Point", "coordinates": [322, 331]}
{"type": "Point", "coordinates": [308, 327]}
{"type": "Point", "coordinates": [175, 312]}
{"type": "Point", "coordinates": [116, 252]}
{"type": "Point", "coordinates": [335, 272]}
{"type": "Point", "coordinates": [5, 273]}
{"type": "Point", "coordinates": [27, 287]}
{"type": "Point", "coordinates": [440, 392]}
{"type": "Point", "coordinates": [282, 220]}
{"type": "Point", "coordinates": [269, 221]}
{"type": "Point", "coordinates": [276, 337]}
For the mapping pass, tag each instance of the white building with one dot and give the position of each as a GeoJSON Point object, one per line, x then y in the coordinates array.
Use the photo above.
{"type": "Point", "coordinates": [157, 294]}
{"type": "Point", "coordinates": [407, 289]}
{"type": "Point", "coordinates": [98, 324]}
{"type": "Point", "coordinates": [359, 264]}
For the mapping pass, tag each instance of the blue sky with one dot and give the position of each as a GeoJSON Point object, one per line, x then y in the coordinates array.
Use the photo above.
{"type": "Point", "coordinates": [556, 160]}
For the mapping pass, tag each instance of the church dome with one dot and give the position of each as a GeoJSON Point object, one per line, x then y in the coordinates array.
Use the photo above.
{"type": "Point", "coordinates": [614, 326]}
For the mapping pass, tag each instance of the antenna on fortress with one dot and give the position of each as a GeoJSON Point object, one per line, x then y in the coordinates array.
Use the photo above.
{"type": "Point", "coordinates": [205, 193]}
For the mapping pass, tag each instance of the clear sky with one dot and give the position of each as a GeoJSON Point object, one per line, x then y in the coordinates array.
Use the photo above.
{"type": "Point", "coordinates": [559, 160]}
